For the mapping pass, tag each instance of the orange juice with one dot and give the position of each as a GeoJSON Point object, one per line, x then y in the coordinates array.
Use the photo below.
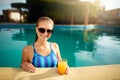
{"type": "Point", "coordinates": [62, 65]}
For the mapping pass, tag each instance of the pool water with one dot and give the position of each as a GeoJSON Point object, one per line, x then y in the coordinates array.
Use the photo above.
{"type": "Point", "coordinates": [80, 45]}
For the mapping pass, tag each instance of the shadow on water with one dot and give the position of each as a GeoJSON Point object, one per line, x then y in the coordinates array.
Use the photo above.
{"type": "Point", "coordinates": [25, 35]}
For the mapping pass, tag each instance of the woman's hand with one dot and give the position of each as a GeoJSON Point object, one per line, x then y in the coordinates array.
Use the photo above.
{"type": "Point", "coordinates": [67, 70]}
{"type": "Point", "coordinates": [28, 67]}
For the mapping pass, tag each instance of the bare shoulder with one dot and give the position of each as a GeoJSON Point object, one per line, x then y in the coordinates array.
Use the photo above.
{"type": "Point", "coordinates": [57, 50]}
{"type": "Point", "coordinates": [27, 49]}
{"type": "Point", "coordinates": [27, 53]}
{"type": "Point", "coordinates": [55, 45]}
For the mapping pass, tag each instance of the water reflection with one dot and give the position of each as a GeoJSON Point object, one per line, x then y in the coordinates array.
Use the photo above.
{"type": "Point", "coordinates": [75, 40]}
{"type": "Point", "coordinates": [19, 36]}
{"type": "Point", "coordinates": [25, 34]}
{"type": "Point", "coordinates": [90, 35]}
{"type": "Point", "coordinates": [81, 46]}
{"type": "Point", "coordinates": [101, 46]}
{"type": "Point", "coordinates": [10, 50]}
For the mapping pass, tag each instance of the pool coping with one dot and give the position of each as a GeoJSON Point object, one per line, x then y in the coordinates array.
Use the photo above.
{"type": "Point", "coordinates": [103, 72]}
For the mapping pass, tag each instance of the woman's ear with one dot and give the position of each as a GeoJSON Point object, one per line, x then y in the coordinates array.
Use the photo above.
{"type": "Point", "coordinates": [36, 30]}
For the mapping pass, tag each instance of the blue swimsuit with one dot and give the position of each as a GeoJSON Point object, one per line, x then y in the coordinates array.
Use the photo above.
{"type": "Point", "coordinates": [44, 61]}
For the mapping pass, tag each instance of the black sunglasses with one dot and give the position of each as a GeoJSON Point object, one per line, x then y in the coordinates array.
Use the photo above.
{"type": "Point", "coordinates": [42, 30]}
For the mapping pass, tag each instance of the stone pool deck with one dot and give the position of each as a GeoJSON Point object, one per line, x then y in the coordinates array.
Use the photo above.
{"type": "Point", "coordinates": [104, 72]}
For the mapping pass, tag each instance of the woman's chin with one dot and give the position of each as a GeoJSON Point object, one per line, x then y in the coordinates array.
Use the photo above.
{"type": "Point", "coordinates": [45, 39]}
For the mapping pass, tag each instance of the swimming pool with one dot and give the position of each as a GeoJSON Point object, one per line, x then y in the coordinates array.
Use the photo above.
{"type": "Point", "coordinates": [81, 45]}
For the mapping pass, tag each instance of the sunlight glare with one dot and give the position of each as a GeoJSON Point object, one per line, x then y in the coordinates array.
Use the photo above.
{"type": "Point", "coordinates": [108, 4]}
{"type": "Point", "coordinates": [87, 0]}
{"type": "Point", "coordinates": [15, 16]}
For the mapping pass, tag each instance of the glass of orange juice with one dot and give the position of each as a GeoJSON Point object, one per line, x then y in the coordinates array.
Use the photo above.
{"type": "Point", "coordinates": [62, 65]}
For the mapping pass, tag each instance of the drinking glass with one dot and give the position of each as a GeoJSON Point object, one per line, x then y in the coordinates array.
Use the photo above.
{"type": "Point", "coordinates": [62, 65]}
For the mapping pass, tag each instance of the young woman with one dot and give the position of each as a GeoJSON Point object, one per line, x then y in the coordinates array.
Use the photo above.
{"type": "Point", "coordinates": [41, 53]}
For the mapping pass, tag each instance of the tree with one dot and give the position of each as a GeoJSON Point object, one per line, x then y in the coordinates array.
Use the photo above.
{"type": "Point", "coordinates": [19, 6]}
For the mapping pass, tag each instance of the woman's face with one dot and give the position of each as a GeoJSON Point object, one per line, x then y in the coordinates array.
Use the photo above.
{"type": "Point", "coordinates": [44, 30]}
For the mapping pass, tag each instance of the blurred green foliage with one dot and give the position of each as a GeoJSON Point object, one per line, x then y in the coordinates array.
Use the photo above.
{"type": "Point", "coordinates": [62, 12]}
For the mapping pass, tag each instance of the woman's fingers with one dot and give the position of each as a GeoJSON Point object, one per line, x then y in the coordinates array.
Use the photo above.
{"type": "Point", "coordinates": [28, 67]}
{"type": "Point", "coordinates": [31, 68]}
{"type": "Point", "coordinates": [67, 70]}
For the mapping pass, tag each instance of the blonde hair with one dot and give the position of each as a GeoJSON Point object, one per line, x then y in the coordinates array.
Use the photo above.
{"type": "Point", "coordinates": [48, 19]}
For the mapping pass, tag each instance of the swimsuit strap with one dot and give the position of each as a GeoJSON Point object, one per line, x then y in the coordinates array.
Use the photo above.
{"type": "Point", "coordinates": [33, 46]}
{"type": "Point", "coordinates": [50, 46]}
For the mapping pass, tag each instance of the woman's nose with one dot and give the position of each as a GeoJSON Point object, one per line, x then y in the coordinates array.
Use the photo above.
{"type": "Point", "coordinates": [45, 33]}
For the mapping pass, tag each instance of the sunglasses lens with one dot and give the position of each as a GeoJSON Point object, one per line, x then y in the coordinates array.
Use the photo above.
{"type": "Point", "coordinates": [42, 30]}
{"type": "Point", "coordinates": [49, 31]}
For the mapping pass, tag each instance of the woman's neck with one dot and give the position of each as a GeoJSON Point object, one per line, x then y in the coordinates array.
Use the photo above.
{"type": "Point", "coordinates": [42, 43]}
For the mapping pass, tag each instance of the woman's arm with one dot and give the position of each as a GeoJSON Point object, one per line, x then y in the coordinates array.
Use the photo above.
{"type": "Point", "coordinates": [57, 50]}
{"type": "Point", "coordinates": [59, 55]}
{"type": "Point", "coordinates": [26, 65]}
